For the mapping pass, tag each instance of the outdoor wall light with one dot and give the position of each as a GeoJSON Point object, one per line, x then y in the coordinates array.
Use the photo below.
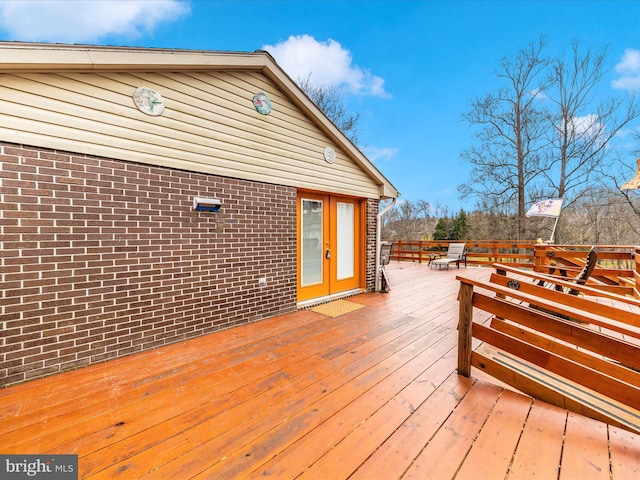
{"type": "Point", "coordinates": [202, 204]}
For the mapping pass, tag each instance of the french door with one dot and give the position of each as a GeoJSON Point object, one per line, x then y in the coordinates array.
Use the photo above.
{"type": "Point", "coordinates": [329, 245]}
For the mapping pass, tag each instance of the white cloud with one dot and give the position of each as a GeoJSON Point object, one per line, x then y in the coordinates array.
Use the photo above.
{"type": "Point", "coordinates": [629, 70]}
{"type": "Point", "coordinates": [589, 128]}
{"type": "Point", "coordinates": [384, 154]}
{"type": "Point", "coordinates": [82, 21]}
{"type": "Point", "coordinates": [587, 125]}
{"type": "Point", "coordinates": [325, 64]}
{"type": "Point", "coordinates": [538, 93]}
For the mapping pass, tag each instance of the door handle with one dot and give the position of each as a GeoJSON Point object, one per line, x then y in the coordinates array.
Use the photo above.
{"type": "Point", "coordinates": [327, 254]}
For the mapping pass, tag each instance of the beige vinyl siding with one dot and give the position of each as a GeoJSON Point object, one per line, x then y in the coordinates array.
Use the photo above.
{"type": "Point", "coordinates": [209, 125]}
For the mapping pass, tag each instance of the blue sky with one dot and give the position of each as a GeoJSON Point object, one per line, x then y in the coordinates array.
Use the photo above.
{"type": "Point", "coordinates": [409, 68]}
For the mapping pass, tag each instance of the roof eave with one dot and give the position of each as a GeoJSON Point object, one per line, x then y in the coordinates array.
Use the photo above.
{"type": "Point", "coordinates": [31, 57]}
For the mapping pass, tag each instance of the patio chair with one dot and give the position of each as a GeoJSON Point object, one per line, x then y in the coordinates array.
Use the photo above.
{"type": "Point", "coordinates": [455, 254]}
{"type": "Point", "coordinates": [582, 277]}
{"type": "Point", "coordinates": [385, 258]}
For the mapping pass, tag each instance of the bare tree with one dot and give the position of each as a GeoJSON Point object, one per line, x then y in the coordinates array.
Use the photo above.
{"type": "Point", "coordinates": [328, 99]}
{"type": "Point", "coordinates": [545, 134]}
{"type": "Point", "coordinates": [409, 221]}
{"type": "Point", "coordinates": [405, 221]}
{"type": "Point", "coordinates": [511, 136]}
{"type": "Point", "coordinates": [619, 173]}
{"type": "Point", "coordinates": [581, 128]}
{"type": "Point", "coordinates": [600, 216]}
{"type": "Point", "coordinates": [490, 222]}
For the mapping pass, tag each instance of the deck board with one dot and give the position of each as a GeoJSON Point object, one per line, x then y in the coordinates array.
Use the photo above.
{"type": "Point", "coordinates": [585, 452]}
{"type": "Point", "coordinates": [443, 455]}
{"type": "Point", "coordinates": [625, 455]}
{"type": "Point", "coordinates": [540, 446]}
{"type": "Point", "coordinates": [397, 452]}
{"type": "Point", "coordinates": [493, 449]}
{"type": "Point", "coordinates": [371, 394]}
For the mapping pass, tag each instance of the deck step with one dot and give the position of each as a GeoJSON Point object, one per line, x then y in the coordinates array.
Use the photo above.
{"type": "Point", "coordinates": [552, 388]}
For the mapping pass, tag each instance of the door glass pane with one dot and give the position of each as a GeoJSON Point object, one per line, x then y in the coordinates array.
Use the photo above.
{"type": "Point", "coordinates": [311, 242]}
{"type": "Point", "coordinates": [345, 248]}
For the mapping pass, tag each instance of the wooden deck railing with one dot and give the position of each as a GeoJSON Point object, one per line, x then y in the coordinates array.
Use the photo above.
{"type": "Point", "coordinates": [574, 351]}
{"type": "Point", "coordinates": [616, 270]}
{"type": "Point", "coordinates": [479, 252]}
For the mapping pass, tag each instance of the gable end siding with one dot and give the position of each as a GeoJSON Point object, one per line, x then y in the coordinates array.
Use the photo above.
{"type": "Point", "coordinates": [209, 125]}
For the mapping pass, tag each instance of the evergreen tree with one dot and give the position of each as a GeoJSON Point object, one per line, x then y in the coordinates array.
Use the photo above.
{"type": "Point", "coordinates": [460, 226]}
{"type": "Point", "coordinates": [442, 229]}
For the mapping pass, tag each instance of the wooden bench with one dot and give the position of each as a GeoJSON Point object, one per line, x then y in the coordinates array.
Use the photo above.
{"type": "Point", "coordinates": [579, 352]}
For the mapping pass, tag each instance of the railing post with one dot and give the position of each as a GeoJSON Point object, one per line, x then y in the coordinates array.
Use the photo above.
{"type": "Point", "coordinates": [636, 272]}
{"type": "Point", "coordinates": [503, 272]}
{"type": "Point", "coordinates": [465, 319]}
{"type": "Point", "coordinates": [542, 260]}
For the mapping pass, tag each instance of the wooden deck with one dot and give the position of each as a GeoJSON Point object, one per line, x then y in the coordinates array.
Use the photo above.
{"type": "Point", "coordinates": [370, 394]}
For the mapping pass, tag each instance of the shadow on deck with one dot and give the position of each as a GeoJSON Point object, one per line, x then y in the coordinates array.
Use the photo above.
{"type": "Point", "coordinates": [369, 394]}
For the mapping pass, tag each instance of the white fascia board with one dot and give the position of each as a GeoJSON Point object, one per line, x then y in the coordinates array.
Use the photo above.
{"type": "Point", "coordinates": [36, 57]}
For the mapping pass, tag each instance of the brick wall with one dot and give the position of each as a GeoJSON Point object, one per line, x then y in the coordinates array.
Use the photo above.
{"type": "Point", "coordinates": [372, 221]}
{"type": "Point", "coordinates": [102, 258]}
